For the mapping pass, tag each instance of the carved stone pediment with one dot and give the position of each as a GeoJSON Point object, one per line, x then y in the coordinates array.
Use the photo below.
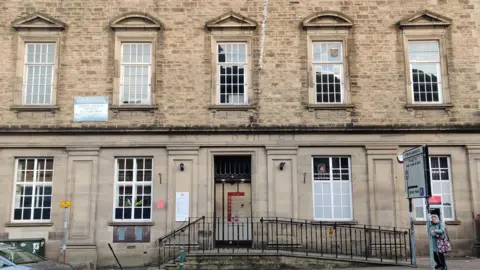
{"type": "Point", "coordinates": [38, 21]}
{"type": "Point", "coordinates": [327, 19]}
{"type": "Point", "coordinates": [136, 21]}
{"type": "Point", "coordinates": [425, 18]}
{"type": "Point", "coordinates": [231, 20]}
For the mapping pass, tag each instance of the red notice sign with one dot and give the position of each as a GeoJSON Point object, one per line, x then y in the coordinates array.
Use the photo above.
{"type": "Point", "coordinates": [160, 204]}
{"type": "Point", "coordinates": [229, 203]}
{"type": "Point", "coordinates": [435, 200]}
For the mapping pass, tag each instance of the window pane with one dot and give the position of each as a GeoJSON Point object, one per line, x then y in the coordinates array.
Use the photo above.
{"type": "Point", "coordinates": [136, 66]}
{"type": "Point", "coordinates": [326, 200]}
{"type": "Point", "coordinates": [434, 163]}
{"type": "Point", "coordinates": [337, 200]}
{"type": "Point", "coordinates": [321, 168]}
{"type": "Point", "coordinates": [327, 212]}
{"type": "Point", "coordinates": [118, 213]}
{"type": "Point", "coordinates": [232, 63]}
{"type": "Point", "coordinates": [347, 213]}
{"type": "Point", "coordinates": [327, 52]}
{"type": "Point", "coordinates": [447, 212]}
{"type": "Point", "coordinates": [46, 213]}
{"type": "Point", "coordinates": [38, 77]}
{"type": "Point", "coordinates": [419, 214]}
{"type": "Point", "coordinates": [428, 86]}
{"type": "Point", "coordinates": [330, 193]}
{"type": "Point", "coordinates": [337, 212]}
{"type": "Point", "coordinates": [329, 82]}
{"type": "Point", "coordinates": [346, 200]}
{"type": "Point", "coordinates": [319, 212]}
{"type": "Point", "coordinates": [132, 196]}
{"type": "Point", "coordinates": [443, 162]}
{"type": "Point", "coordinates": [424, 50]}
{"type": "Point", "coordinates": [148, 176]}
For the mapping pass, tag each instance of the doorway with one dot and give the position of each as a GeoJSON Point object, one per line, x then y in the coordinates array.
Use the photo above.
{"type": "Point", "coordinates": [233, 201]}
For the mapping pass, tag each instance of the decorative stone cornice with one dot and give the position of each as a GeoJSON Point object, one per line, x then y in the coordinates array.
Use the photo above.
{"type": "Point", "coordinates": [135, 21]}
{"type": "Point", "coordinates": [425, 18]}
{"type": "Point", "coordinates": [38, 21]}
{"type": "Point", "coordinates": [231, 20]}
{"type": "Point", "coordinates": [327, 19]}
{"type": "Point", "coordinates": [108, 128]}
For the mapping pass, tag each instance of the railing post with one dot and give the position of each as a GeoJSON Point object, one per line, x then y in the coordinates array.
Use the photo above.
{"type": "Point", "coordinates": [276, 231]}
{"type": "Point", "coordinates": [395, 243]}
{"type": "Point", "coordinates": [205, 234]}
{"type": "Point", "coordinates": [189, 231]}
{"type": "Point", "coordinates": [380, 235]}
{"type": "Point", "coordinates": [366, 245]}
{"type": "Point", "coordinates": [336, 243]}
{"type": "Point", "coordinates": [321, 239]}
{"type": "Point", "coordinates": [174, 246]}
{"type": "Point", "coordinates": [351, 242]}
{"type": "Point", "coordinates": [306, 237]}
{"type": "Point", "coordinates": [291, 232]}
{"type": "Point", "coordinates": [261, 223]}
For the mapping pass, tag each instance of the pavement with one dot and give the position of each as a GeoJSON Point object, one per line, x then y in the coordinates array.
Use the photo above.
{"type": "Point", "coordinates": [452, 263]}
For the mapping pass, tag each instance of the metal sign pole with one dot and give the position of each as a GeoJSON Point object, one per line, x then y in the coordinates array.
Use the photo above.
{"type": "Point", "coordinates": [413, 248]}
{"type": "Point", "coordinates": [416, 163]}
{"type": "Point", "coordinates": [426, 160]}
{"type": "Point", "coordinates": [430, 246]}
{"type": "Point", "coordinates": [63, 250]}
{"type": "Point", "coordinates": [65, 236]}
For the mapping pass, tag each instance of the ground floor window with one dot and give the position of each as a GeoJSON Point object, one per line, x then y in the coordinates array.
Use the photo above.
{"type": "Point", "coordinates": [441, 202]}
{"type": "Point", "coordinates": [33, 189]}
{"type": "Point", "coordinates": [332, 192]}
{"type": "Point", "coordinates": [133, 189]}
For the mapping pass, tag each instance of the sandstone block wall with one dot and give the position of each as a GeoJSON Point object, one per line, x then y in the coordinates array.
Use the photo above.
{"type": "Point", "coordinates": [183, 61]}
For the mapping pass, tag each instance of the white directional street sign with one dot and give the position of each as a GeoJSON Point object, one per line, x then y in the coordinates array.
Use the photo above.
{"type": "Point", "coordinates": [417, 176]}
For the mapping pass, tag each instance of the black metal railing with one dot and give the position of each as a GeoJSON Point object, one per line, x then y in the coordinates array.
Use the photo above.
{"type": "Point", "coordinates": [292, 236]}
{"type": "Point", "coordinates": [169, 243]}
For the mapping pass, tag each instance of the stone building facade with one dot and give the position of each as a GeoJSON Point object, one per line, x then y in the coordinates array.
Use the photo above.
{"type": "Point", "coordinates": [304, 93]}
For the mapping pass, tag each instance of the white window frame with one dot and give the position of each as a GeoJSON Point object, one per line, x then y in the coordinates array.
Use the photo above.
{"type": "Point", "coordinates": [416, 201]}
{"type": "Point", "coordinates": [122, 73]}
{"type": "Point", "coordinates": [34, 185]}
{"type": "Point", "coordinates": [320, 63]}
{"type": "Point", "coordinates": [26, 66]}
{"type": "Point", "coordinates": [134, 184]}
{"type": "Point", "coordinates": [331, 187]}
{"type": "Point", "coordinates": [439, 72]}
{"type": "Point", "coordinates": [245, 72]}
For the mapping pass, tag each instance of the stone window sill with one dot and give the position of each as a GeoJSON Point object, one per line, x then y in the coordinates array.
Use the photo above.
{"type": "Point", "coordinates": [446, 107]}
{"type": "Point", "coordinates": [131, 223]}
{"type": "Point", "coordinates": [314, 107]}
{"type": "Point", "coordinates": [34, 108]}
{"type": "Point", "coordinates": [117, 108]}
{"type": "Point", "coordinates": [231, 107]}
{"type": "Point", "coordinates": [29, 224]}
{"type": "Point", "coordinates": [452, 222]}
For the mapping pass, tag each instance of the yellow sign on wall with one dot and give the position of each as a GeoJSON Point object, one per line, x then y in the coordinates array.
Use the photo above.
{"type": "Point", "coordinates": [65, 204]}
{"type": "Point", "coordinates": [331, 232]}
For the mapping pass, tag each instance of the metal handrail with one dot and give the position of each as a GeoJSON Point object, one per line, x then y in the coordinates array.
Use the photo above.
{"type": "Point", "coordinates": [308, 237]}
{"type": "Point", "coordinates": [182, 228]}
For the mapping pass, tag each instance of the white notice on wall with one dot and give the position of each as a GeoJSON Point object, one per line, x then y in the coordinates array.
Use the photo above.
{"type": "Point", "coordinates": [90, 109]}
{"type": "Point", "coordinates": [181, 202]}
